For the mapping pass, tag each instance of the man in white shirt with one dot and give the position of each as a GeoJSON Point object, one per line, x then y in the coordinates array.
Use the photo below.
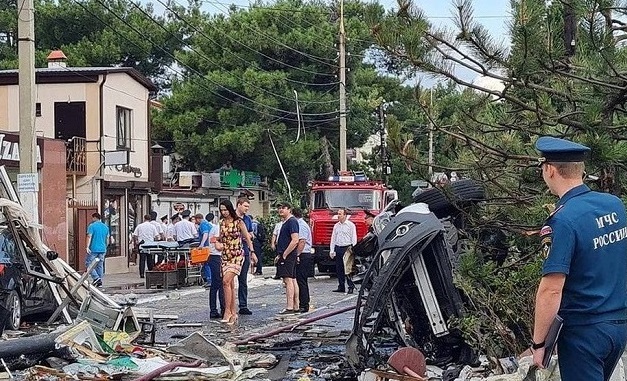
{"type": "Point", "coordinates": [170, 233]}
{"type": "Point", "coordinates": [145, 233]}
{"type": "Point", "coordinates": [185, 230]}
{"type": "Point", "coordinates": [344, 236]}
{"type": "Point", "coordinates": [164, 225]}
{"type": "Point", "coordinates": [157, 225]}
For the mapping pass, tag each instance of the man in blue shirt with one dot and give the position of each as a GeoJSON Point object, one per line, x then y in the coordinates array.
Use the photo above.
{"type": "Point", "coordinates": [97, 238]}
{"type": "Point", "coordinates": [584, 276]}
{"type": "Point", "coordinates": [285, 260]}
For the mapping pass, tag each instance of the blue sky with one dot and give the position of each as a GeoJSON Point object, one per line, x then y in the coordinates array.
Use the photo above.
{"type": "Point", "coordinates": [493, 14]}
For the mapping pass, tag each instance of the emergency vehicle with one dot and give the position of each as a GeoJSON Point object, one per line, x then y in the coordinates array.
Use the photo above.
{"type": "Point", "coordinates": [352, 191]}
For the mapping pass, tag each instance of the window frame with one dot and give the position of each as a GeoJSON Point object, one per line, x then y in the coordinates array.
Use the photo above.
{"type": "Point", "coordinates": [123, 115]}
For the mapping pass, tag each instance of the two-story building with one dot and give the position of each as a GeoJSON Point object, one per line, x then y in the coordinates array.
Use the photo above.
{"type": "Point", "coordinates": [103, 116]}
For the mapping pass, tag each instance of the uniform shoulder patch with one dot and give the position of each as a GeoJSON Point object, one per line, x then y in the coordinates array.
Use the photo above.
{"type": "Point", "coordinates": [546, 230]}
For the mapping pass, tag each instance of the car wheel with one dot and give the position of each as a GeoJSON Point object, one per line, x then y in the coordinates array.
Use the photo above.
{"type": "Point", "coordinates": [447, 201]}
{"type": "Point", "coordinates": [14, 305]}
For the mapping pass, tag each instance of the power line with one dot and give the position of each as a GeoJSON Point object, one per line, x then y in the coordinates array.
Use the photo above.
{"type": "Point", "coordinates": [311, 56]}
{"type": "Point", "coordinates": [178, 16]}
{"type": "Point", "coordinates": [265, 55]}
{"type": "Point", "coordinates": [196, 72]}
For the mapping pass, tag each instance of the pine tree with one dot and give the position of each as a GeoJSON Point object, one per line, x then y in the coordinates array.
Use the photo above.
{"type": "Point", "coordinates": [564, 75]}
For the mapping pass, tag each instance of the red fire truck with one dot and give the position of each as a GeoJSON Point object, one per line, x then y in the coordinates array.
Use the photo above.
{"type": "Point", "coordinates": [355, 193]}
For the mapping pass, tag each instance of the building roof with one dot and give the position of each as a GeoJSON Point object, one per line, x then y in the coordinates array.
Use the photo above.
{"type": "Point", "coordinates": [56, 55]}
{"type": "Point", "coordinates": [75, 75]}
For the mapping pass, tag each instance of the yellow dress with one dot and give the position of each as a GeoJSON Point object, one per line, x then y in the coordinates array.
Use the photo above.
{"type": "Point", "coordinates": [233, 251]}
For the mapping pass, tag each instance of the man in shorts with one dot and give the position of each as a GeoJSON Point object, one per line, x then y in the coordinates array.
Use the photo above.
{"type": "Point", "coordinates": [285, 260]}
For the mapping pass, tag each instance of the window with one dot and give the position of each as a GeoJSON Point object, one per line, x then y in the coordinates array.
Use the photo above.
{"type": "Point", "coordinates": [37, 109]}
{"type": "Point", "coordinates": [123, 123]}
{"type": "Point", "coordinates": [111, 217]}
{"type": "Point", "coordinates": [352, 199]}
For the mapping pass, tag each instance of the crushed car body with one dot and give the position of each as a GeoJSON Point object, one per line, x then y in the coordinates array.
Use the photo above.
{"type": "Point", "coordinates": [408, 297]}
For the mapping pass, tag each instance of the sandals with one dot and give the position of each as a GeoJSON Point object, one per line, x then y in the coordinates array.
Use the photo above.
{"type": "Point", "coordinates": [287, 312]}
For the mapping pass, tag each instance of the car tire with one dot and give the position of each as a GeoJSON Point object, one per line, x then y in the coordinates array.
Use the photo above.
{"type": "Point", "coordinates": [446, 201]}
{"type": "Point", "coordinates": [14, 305]}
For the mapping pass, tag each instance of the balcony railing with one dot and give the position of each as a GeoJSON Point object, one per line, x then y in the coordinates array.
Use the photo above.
{"type": "Point", "coordinates": [76, 156]}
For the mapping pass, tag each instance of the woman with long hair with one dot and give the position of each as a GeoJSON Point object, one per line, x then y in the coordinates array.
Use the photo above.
{"type": "Point", "coordinates": [232, 229]}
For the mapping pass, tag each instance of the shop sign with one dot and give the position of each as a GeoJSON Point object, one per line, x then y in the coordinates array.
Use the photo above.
{"type": "Point", "coordinates": [136, 171]}
{"type": "Point", "coordinates": [179, 207]}
{"type": "Point", "coordinates": [10, 150]}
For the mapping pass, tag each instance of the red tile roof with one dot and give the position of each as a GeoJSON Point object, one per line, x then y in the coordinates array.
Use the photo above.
{"type": "Point", "coordinates": [56, 55]}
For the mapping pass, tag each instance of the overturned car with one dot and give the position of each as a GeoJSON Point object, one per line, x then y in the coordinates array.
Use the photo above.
{"type": "Point", "coordinates": [408, 297]}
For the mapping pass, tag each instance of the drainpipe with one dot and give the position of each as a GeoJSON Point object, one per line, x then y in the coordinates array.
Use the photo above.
{"type": "Point", "coordinates": [101, 142]}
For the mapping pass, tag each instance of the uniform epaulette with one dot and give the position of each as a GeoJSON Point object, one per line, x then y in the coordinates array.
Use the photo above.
{"type": "Point", "coordinates": [555, 211]}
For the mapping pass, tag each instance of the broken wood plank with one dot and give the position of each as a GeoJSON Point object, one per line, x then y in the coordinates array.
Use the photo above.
{"type": "Point", "coordinates": [184, 325]}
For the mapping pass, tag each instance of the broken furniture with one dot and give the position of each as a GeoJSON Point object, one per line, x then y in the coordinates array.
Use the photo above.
{"type": "Point", "coordinates": [106, 318]}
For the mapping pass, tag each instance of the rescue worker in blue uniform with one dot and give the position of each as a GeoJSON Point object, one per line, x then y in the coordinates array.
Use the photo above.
{"type": "Point", "coordinates": [584, 275]}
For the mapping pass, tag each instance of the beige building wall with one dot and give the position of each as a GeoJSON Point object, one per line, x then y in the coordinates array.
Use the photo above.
{"type": "Point", "coordinates": [118, 89]}
{"type": "Point", "coordinates": [122, 90]}
{"type": "Point", "coordinates": [4, 108]}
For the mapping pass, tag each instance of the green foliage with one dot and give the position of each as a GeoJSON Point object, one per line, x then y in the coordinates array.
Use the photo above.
{"type": "Point", "coordinates": [97, 33]}
{"type": "Point", "coordinates": [485, 130]}
{"type": "Point", "coordinates": [238, 97]}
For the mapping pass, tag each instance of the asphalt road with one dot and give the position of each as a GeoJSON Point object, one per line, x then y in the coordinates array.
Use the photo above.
{"type": "Point", "coordinates": [319, 344]}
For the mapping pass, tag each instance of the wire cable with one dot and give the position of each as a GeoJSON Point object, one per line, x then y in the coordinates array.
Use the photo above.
{"type": "Point", "coordinates": [310, 56]}
{"type": "Point", "coordinates": [146, 38]}
{"type": "Point", "coordinates": [267, 56]}
{"type": "Point", "coordinates": [178, 16]}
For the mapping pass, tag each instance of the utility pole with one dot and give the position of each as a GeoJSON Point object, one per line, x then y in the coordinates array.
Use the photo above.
{"type": "Point", "coordinates": [28, 180]}
{"type": "Point", "coordinates": [431, 137]}
{"type": "Point", "coordinates": [342, 90]}
{"type": "Point", "coordinates": [383, 148]}
{"type": "Point", "coordinates": [570, 28]}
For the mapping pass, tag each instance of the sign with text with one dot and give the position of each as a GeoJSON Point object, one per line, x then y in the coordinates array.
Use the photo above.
{"type": "Point", "coordinates": [10, 150]}
{"type": "Point", "coordinates": [27, 182]}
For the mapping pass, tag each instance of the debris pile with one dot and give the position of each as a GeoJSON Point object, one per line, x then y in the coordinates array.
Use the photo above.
{"type": "Point", "coordinates": [77, 352]}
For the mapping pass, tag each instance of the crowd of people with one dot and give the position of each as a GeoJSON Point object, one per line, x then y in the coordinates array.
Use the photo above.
{"type": "Point", "coordinates": [235, 246]}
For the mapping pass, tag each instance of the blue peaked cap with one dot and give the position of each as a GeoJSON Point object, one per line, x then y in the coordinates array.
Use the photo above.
{"type": "Point", "coordinates": [560, 150]}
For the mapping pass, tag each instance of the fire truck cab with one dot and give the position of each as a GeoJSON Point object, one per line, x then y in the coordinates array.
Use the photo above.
{"type": "Point", "coordinates": [356, 194]}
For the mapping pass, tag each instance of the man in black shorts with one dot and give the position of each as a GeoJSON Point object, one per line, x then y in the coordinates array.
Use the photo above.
{"type": "Point", "coordinates": [286, 256]}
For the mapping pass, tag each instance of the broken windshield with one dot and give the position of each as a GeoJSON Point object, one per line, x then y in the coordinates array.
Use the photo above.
{"type": "Point", "coordinates": [355, 199]}
{"type": "Point", "coordinates": [8, 248]}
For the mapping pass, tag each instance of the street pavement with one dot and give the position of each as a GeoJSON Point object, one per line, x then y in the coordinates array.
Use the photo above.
{"type": "Point", "coordinates": [266, 297]}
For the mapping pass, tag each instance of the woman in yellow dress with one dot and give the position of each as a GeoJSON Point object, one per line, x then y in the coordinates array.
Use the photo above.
{"type": "Point", "coordinates": [232, 229]}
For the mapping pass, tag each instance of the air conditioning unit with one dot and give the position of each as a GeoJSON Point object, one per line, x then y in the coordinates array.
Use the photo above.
{"type": "Point", "coordinates": [211, 180]}
{"type": "Point", "coordinates": [190, 179]}
{"type": "Point", "coordinates": [167, 164]}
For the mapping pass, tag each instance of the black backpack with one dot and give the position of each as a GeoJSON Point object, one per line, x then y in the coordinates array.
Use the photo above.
{"type": "Point", "coordinates": [261, 233]}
